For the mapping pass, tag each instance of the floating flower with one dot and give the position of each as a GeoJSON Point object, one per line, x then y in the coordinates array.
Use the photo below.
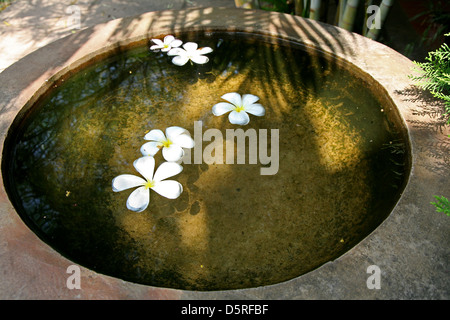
{"type": "Point", "coordinates": [139, 199]}
{"type": "Point", "coordinates": [166, 45]}
{"type": "Point", "coordinates": [239, 107]}
{"type": "Point", "coordinates": [172, 143]}
{"type": "Point", "coordinates": [190, 51]}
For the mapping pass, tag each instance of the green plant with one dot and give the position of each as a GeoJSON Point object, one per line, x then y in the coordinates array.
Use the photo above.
{"type": "Point", "coordinates": [435, 75]}
{"type": "Point", "coordinates": [442, 204]}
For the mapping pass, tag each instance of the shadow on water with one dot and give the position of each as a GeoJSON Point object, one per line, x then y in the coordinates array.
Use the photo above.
{"type": "Point", "coordinates": [231, 227]}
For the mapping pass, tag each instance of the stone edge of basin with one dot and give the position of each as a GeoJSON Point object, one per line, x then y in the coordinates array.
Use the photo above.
{"type": "Point", "coordinates": [30, 269]}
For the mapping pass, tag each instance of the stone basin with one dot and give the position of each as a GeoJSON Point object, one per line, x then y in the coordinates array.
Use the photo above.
{"type": "Point", "coordinates": [406, 246]}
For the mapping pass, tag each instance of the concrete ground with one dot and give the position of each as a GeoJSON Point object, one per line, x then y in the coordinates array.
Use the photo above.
{"type": "Point", "coordinates": [27, 25]}
{"type": "Point", "coordinates": [415, 268]}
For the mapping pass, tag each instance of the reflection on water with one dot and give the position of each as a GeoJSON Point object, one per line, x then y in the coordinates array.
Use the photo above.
{"type": "Point", "coordinates": [342, 167]}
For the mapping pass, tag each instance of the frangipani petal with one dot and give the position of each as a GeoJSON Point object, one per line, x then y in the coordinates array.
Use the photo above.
{"type": "Point", "coordinates": [151, 148]}
{"type": "Point", "coordinates": [155, 135]}
{"type": "Point", "coordinates": [190, 46]}
{"type": "Point", "coordinates": [173, 132]}
{"type": "Point", "coordinates": [168, 39]}
{"type": "Point", "coordinates": [176, 43]}
{"type": "Point", "coordinates": [199, 59]}
{"type": "Point", "coordinates": [155, 47]}
{"type": "Point", "coordinates": [205, 50]}
{"type": "Point", "coordinates": [166, 45]}
{"type": "Point", "coordinates": [176, 52]}
{"type": "Point", "coordinates": [240, 107]}
{"type": "Point", "coordinates": [233, 97]}
{"type": "Point", "coordinates": [145, 166]}
{"type": "Point", "coordinates": [184, 141]}
{"type": "Point", "coordinates": [139, 199]}
{"type": "Point", "coordinates": [126, 181]}
{"type": "Point", "coordinates": [190, 52]}
{"type": "Point", "coordinates": [256, 109]}
{"type": "Point", "coordinates": [222, 108]}
{"type": "Point", "coordinates": [180, 60]}
{"type": "Point", "coordinates": [169, 188]}
{"type": "Point", "coordinates": [167, 170]}
{"type": "Point", "coordinates": [158, 42]}
{"type": "Point", "coordinates": [173, 152]}
{"type": "Point", "coordinates": [240, 118]}
{"type": "Point", "coordinates": [248, 99]}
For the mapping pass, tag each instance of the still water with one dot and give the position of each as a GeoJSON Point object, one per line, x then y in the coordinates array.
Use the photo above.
{"type": "Point", "coordinates": [342, 166]}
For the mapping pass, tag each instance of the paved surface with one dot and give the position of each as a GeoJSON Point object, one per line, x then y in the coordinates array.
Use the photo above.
{"type": "Point", "coordinates": [27, 25]}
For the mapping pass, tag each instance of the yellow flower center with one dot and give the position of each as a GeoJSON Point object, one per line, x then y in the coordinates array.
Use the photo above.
{"type": "Point", "coordinates": [149, 184]}
{"type": "Point", "coordinates": [239, 108]}
{"type": "Point", "coordinates": [167, 143]}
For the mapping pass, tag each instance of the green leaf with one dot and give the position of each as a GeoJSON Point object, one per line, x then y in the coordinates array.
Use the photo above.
{"type": "Point", "coordinates": [442, 204]}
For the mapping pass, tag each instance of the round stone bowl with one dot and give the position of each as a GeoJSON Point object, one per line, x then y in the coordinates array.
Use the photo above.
{"type": "Point", "coordinates": [406, 248]}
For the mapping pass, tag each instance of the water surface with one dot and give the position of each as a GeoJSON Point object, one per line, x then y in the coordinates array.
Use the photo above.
{"type": "Point", "coordinates": [342, 166]}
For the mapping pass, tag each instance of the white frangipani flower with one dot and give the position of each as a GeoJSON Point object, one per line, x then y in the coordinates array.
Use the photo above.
{"type": "Point", "coordinates": [139, 199]}
{"type": "Point", "coordinates": [166, 45]}
{"type": "Point", "coordinates": [239, 107]}
{"type": "Point", "coordinates": [172, 143]}
{"type": "Point", "coordinates": [190, 51]}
